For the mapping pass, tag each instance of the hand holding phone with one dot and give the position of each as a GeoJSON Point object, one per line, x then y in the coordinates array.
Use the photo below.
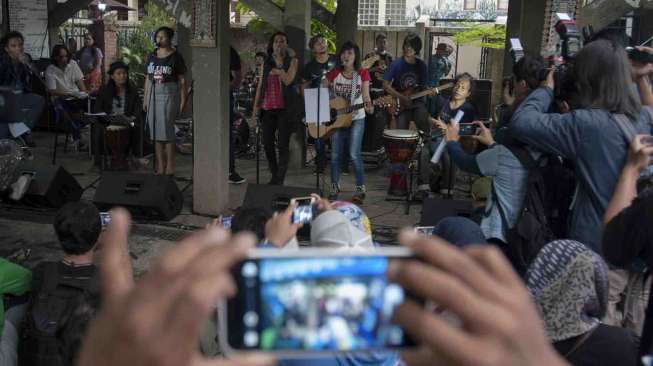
{"type": "Point", "coordinates": [313, 301]}
{"type": "Point", "coordinates": [280, 228]}
{"type": "Point", "coordinates": [304, 209]}
{"type": "Point", "coordinates": [640, 155]}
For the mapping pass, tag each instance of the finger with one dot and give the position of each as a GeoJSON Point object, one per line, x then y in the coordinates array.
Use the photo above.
{"type": "Point", "coordinates": [494, 262]}
{"type": "Point", "coordinates": [442, 288]}
{"type": "Point", "coordinates": [454, 261]}
{"type": "Point", "coordinates": [423, 356]}
{"type": "Point", "coordinates": [116, 269]}
{"type": "Point", "coordinates": [240, 360]}
{"type": "Point", "coordinates": [440, 336]}
{"type": "Point", "coordinates": [289, 210]}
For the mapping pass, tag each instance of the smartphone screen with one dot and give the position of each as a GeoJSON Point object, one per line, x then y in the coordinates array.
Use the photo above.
{"type": "Point", "coordinates": [105, 219]}
{"type": "Point", "coordinates": [314, 304]}
{"type": "Point", "coordinates": [425, 230]}
{"type": "Point", "coordinates": [303, 213]}
{"type": "Point", "coordinates": [467, 129]}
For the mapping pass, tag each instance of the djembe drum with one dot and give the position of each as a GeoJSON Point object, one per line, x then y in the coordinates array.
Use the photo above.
{"type": "Point", "coordinates": [400, 146]}
{"type": "Point", "coordinates": [117, 141]}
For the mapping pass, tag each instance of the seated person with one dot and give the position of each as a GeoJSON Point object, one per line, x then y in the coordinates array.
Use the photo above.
{"type": "Point", "coordinates": [569, 283]}
{"type": "Point", "coordinates": [15, 281]}
{"type": "Point", "coordinates": [65, 80]}
{"type": "Point", "coordinates": [120, 97]}
{"type": "Point", "coordinates": [60, 288]}
{"type": "Point", "coordinates": [15, 75]}
{"type": "Point", "coordinates": [446, 110]}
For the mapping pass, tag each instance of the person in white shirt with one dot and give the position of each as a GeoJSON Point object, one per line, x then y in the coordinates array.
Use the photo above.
{"type": "Point", "coordinates": [65, 79]}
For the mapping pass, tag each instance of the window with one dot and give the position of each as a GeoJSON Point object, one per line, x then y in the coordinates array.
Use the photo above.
{"type": "Point", "coordinates": [470, 5]}
{"type": "Point", "coordinates": [368, 12]}
{"type": "Point", "coordinates": [502, 4]}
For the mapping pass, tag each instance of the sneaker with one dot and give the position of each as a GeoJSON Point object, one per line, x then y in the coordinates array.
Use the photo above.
{"type": "Point", "coordinates": [421, 195]}
{"type": "Point", "coordinates": [335, 190]}
{"type": "Point", "coordinates": [235, 178]}
{"type": "Point", "coordinates": [79, 146]}
{"type": "Point", "coordinates": [28, 140]}
{"type": "Point", "coordinates": [359, 196]}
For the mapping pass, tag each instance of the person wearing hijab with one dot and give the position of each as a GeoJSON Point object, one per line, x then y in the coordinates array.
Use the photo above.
{"type": "Point", "coordinates": [569, 283]}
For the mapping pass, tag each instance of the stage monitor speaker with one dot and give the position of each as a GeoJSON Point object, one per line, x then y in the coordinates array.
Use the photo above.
{"type": "Point", "coordinates": [481, 98]}
{"type": "Point", "coordinates": [273, 198]}
{"type": "Point", "coordinates": [51, 185]}
{"type": "Point", "coordinates": [435, 209]}
{"type": "Point", "coordinates": [146, 196]}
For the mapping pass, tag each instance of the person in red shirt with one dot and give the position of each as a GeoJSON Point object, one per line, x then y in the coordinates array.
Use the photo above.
{"type": "Point", "coordinates": [273, 96]}
{"type": "Point", "coordinates": [351, 82]}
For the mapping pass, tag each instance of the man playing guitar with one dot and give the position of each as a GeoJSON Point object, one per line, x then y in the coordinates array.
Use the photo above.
{"type": "Point", "coordinates": [406, 76]}
{"type": "Point", "coordinates": [377, 122]}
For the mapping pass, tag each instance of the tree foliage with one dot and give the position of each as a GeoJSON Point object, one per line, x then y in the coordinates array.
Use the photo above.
{"type": "Point", "coordinates": [482, 35]}
{"type": "Point", "coordinates": [263, 30]}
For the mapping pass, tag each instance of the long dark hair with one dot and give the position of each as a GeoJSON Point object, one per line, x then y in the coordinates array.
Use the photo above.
{"type": "Point", "coordinates": [55, 52]}
{"type": "Point", "coordinates": [271, 41]}
{"type": "Point", "coordinates": [603, 79]}
{"type": "Point", "coordinates": [349, 45]}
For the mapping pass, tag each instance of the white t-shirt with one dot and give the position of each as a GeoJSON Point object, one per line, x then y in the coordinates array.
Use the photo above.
{"type": "Point", "coordinates": [63, 80]}
{"type": "Point", "coordinates": [343, 86]}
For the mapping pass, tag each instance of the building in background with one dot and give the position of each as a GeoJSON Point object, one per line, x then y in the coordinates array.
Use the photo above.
{"type": "Point", "coordinates": [383, 12]}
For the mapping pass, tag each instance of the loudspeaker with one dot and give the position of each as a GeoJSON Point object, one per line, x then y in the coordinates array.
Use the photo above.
{"type": "Point", "coordinates": [144, 195]}
{"type": "Point", "coordinates": [481, 97]}
{"type": "Point", "coordinates": [273, 198]}
{"type": "Point", "coordinates": [435, 209]}
{"type": "Point", "coordinates": [51, 185]}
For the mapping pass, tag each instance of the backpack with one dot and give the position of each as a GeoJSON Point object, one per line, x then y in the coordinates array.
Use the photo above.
{"type": "Point", "coordinates": [544, 212]}
{"type": "Point", "coordinates": [49, 311]}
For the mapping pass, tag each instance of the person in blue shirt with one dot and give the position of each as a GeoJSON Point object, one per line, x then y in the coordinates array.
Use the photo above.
{"type": "Point", "coordinates": [406, 76]}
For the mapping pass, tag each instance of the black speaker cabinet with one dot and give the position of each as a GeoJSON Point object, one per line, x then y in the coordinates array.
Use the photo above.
{"type": "Point", "coordinates": [435, 209]}
{"type": "Point", "coordinates": [273, 198]}
{"type": "Point", "coordinates": [146, 196]}
{"type": "Point", "coordinates": [51, 185]}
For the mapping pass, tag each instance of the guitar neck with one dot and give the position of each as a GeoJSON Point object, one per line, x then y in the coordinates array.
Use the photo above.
{"type": "Point", "coordinates": [427, 91]}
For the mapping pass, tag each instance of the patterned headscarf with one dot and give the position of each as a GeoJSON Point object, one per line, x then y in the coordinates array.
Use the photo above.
{"type": "Point", "coordinates": [569, 283]}
{"type": "Point", "coordinates": [355, 215]}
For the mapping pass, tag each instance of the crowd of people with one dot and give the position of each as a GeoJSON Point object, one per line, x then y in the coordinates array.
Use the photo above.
{"type": "Point", "coordinates": [555, 272]}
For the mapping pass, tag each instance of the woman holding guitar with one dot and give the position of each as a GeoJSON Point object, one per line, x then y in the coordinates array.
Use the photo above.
{"type": "Point", "coordinates": [351, 82]}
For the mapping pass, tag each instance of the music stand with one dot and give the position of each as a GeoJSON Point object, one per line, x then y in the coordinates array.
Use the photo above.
{"type": "Point", "coordinates": [316, 99]}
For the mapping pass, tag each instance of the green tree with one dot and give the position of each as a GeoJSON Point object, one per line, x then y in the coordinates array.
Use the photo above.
{"type": "Point", "coordinates": [482, 35]}
{"type": "Point", "coordinates": [139, 43]}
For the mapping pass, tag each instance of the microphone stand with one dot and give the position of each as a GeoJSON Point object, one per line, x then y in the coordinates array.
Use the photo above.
{"type": "Point", "coordinates": [318, 140]}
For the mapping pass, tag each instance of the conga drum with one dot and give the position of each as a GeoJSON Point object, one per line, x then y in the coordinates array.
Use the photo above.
{"type": "Point", "coordinates": [117, 141]}
{"type": "Point", "coordinates": [400, 145]}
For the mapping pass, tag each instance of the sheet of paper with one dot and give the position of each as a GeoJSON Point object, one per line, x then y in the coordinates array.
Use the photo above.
{"type": "Point", "coordinates": [439, 151]}
{"type": "Point", "coordinates": [459, 116]}
{"type": "Point", "coordinates": [311, 104]}
{"type": "Point", "coordinates": [17, 129]}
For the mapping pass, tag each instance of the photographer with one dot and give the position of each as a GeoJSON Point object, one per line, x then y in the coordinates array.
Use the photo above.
{"type": "Point", "coordinates": [591, 136]}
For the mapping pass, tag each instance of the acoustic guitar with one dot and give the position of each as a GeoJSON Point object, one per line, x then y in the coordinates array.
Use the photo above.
{"type": "Point", "coordinates": [370, 61]}
{"type": "Point", "coordinates": [341, 117]}
{"type": "Point", "coordinates": [410, 92]}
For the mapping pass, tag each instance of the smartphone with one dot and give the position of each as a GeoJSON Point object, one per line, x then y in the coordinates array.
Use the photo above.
{"type": "Point", "coordinates": [467, 129]}
{"type": "Point", "coordinates": [313, 301]}
{"type": "Point", "coordinates": [105, 219]}
{"type": "Point", "coordinates": [425, 230]}
{"type": "Point", "coordinates": [304, 212]}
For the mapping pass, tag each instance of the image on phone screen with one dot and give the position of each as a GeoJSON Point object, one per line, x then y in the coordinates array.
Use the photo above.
{"type": "Point", "coordinates": [314, 304]}
{"type": "Point", "coordinates": [303, 214]}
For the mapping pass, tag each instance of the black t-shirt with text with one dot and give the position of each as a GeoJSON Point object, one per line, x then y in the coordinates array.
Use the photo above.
{"type": "Point", "coordinates": [166, 69]}
{"type": "Point", "coordinates": [313, 70]}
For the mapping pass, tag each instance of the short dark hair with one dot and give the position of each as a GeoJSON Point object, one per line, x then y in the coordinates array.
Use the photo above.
{"type": "Point", "coordinates": [313, 40]}
{"type": "Point", "coordinates": [413, 40]}
{"type": "Point", "coordinates": [466, 76]}
{"type": "Point", "coordinates": [380, 36]}
{"type": "Point", "coordinates": [117, 65]}
{"type": "Point", "coordinates": [55, 52]}
{"type": "Point", "coordinates": [632, 226]}
{"type": "Point", "coordinates": [78, 227]}
{"type": "Point", "coordinates": [603, 78]}
{"type": "Point", "coordinates": [261, 54]}
{"type": "Point", "coordinates": [251, 219]}
{"type": "Point", "coordinates": [11, 35]}
{"type": "Point", "coordinates": [349, 45]}
{"type": "Point", "coordinates": [529, 68]}
{"type": "Point", "coordinates": [170, 33]}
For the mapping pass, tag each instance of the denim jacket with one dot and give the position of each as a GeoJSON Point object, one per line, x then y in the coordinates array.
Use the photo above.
{"type": "Point", "coordinates": [593, 141]}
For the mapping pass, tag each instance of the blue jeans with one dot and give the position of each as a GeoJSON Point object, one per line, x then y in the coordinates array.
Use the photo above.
{"type": "Point", "coordinates": [338, 143]}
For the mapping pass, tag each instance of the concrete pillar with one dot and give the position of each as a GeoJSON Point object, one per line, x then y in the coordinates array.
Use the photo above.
{"type": "Point", "coordinates": [132, 16]}
{"type": "Point", "coordinates": [297, 25]}
{"type": "Point", "coordinates": [211, 119]}
{"type": "Point", "coordinates": [346, 21]}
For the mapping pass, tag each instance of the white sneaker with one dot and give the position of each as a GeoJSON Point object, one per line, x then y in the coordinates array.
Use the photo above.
{"type": "Point", "coordinates": [20, 187]}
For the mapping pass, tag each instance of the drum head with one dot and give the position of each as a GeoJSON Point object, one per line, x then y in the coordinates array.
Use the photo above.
{"type": "Point", "coordinates": [116, 127]}
{"type": "Point", "coordinates": [400, 134]}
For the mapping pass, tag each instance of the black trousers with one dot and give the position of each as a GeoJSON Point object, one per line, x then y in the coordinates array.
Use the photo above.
{"type": "Point", "coordinates": [277, 121]}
